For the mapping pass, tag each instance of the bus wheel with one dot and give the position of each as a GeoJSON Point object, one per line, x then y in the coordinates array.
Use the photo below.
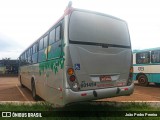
{"type": "Point", "coordinates": [35, 97]}
{"type": "Point", "coordinates": [143, 80]}
{"type": "Point", "coordinates": [20, 80]}
{"type": "Point", "coordinates": [157, 84]}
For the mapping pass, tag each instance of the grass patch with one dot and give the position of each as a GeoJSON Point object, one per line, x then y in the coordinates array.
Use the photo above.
{"type": "Point", "coordinates": [24, 107]}
{"type": "Point", "coordinates": [88, 108]}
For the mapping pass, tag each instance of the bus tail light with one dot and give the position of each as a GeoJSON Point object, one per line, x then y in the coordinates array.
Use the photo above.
{"type": "Point", "coordinates": [70, 71]}
{"type": "Point", "coordinates": [131, 73]}
{"type": "Point", "coordinates": [72, 78]}
{"type": "Point", "coordinates": [73, 82]}
{"type": "Point", "coordinates": [130, 76]}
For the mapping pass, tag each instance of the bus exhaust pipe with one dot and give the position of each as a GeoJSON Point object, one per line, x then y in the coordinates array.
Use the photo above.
{"type": "Point", "coordinates": [118, 90]}
{"type": "Point", "coordinates": [95, 93]}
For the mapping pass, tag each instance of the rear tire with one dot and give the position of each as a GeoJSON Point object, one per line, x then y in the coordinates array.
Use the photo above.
{"type": "Point", "coordinates": [20, 80]}
{"type": "Point", "coordinates": [34, 95]}
{"type": "Point", "coordinates": [143, 80]}
{"type": "Point", "coordinates": [157, 84]}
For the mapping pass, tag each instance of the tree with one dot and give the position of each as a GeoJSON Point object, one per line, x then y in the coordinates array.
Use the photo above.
{"type": "Point", "coordinates": [6, 58]}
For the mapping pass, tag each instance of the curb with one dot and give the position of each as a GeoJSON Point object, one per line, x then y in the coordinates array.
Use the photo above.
{"type": "Point", "coordinates": [114, 103]}
{"type": "Point", "coordinates": [21, 102]}
{"type": "Point", "coordinates": [124, 103]}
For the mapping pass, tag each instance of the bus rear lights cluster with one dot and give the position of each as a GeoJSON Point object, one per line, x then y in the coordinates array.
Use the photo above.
{"type": "Point", "coordinates": [70, 72]}
{"type": "Point", "coordinates": [131, 73]}
{"type": "Point", "coordinates": [130, 76]}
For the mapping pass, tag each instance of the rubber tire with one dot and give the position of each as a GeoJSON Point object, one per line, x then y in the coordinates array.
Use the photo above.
{"type": "Point", "coordinates": [157, 84]}
{"type": "Point", "coordinates": [34, 95]}
{"type": "Point", "coordinates": [143, 80]}
{"type": "Point", "coordinates": [21, 83]}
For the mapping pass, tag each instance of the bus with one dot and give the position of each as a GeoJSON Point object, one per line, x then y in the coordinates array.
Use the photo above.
{"type": "Point", "coordinates": [146, 64]}
{"type": "Point", "coordinates": [84, 56]}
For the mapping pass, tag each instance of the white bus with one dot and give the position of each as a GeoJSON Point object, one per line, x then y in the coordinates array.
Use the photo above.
{"type": "Point", "coordinates": [84, 56]}
{"type": "Point", "coordinates": [146, 65]}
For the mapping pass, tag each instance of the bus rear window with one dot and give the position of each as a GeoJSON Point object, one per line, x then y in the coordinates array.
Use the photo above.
{"type": "Point", "coordinates": [143, 58]}
{"type": "Point", "coordinates": [97, 28]}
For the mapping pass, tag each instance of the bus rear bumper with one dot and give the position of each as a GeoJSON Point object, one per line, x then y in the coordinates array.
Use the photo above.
{"type": "Point", "coordinates": [71, 96]}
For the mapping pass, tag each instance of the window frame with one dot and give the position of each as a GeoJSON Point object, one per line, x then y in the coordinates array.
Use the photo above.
{"type": "Point", "coordinates": [44, 41]}
{"type": "Point", "coordinates": [26, 55]}
{"type": "Point", "coordinates": [40, 44]}
{"type": "Point", "coordinates": [60, 32]}
{"type": "Point", "coordinates": [60, 28]}
{"type": "Point", "coordinates": [143, 59]}
{"type": "Point", "coordinates": [50, 36]}
{"type": "Point", "coordinates": [34, 47]}
{"type": "Point", "coordinates": [156, 56]}
{"type": "Point", "coordinates": [31, 50]}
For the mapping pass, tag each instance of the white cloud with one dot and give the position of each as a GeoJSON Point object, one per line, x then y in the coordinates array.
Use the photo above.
{"type": "Point", "coordinates": [24, 21]}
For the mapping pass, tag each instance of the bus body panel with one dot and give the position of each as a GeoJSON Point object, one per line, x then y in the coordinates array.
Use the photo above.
{"type": "Point", "coordinates": [71, 96]}
{"type": "Point", "coordinates": [54, 87]}
{"type": "Point", "coordinates": [25, 77]}
{"type": "Point", "coordinates": [48, 85]}
{"type": "Point", "coordinates": [94, 64]}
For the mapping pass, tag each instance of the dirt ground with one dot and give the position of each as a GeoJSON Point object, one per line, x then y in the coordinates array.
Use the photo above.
{"type": "Point", "coordinates": [10, 90]}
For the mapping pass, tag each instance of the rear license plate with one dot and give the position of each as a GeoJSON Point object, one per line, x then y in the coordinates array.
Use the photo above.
{"type": "Point", "coordinates": [105, 78]}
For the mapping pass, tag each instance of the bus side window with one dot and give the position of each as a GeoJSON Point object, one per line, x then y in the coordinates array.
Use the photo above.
{"type": "Point", "coordinates": [35, 54]}
{"type": "Point", "coordinates": [30, 55]}
{"type": "Point", "coordinates": [31, 50]}
{"type": "Point", "coordinates": [52, 37]}
{"type": "Point", "coordinates": [143, 58]}
{"type": "Point", "coordinates": [40, 52]}
{"type": "Point", "coordinates": [58, 33]}
{"type": "Point", "coordinates": [55, 50]}
{"type": "Point", "coordinates": [20, 60]}
{"type": "Point", "coordinates": [41, 44]}
{"type": "Point", "coordinates": [155, 56]}
{"type": "Point", "coordinates": [46, 41]}
{"type": "Point", "coordinates": [158, 56]}
{"type": "Point", "coordinates": [25, 57]}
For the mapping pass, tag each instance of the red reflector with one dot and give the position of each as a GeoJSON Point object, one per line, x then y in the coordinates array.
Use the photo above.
{"type": "Point", "coordinates": [130, 75]}
{"type": "Point", "coordinates": [125, 89]}
{"type": "Point", "coordinates": [83, 94]}
{"type": "Point", "coordinates": [72, 78]}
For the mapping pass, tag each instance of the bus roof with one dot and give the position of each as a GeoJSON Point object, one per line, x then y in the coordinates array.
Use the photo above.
{"type": "Point", "coordinates": [145, 50]}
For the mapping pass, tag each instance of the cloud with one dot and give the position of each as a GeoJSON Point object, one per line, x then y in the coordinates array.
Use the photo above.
{"type": "Point", "coordinates": [5, 43]}
{"type": "Point", "coordinates": [9, 47]}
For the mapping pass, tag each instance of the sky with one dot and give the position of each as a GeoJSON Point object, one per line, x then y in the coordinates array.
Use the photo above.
{"type": "Point", "coordinates": [24, 21]}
